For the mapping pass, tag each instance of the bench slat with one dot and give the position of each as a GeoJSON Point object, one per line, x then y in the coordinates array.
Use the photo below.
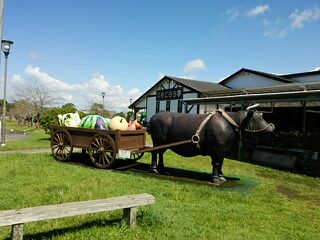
{"type": "Point", "coordinates": [12, 217]}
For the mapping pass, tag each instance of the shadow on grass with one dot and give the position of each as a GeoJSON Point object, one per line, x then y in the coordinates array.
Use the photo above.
{"type": "Point", "coordinates": [180, 176]}
{"type": "Point", "coordinates": [62, 231]}
{"type": "Point", "coordinates": [48, 139]}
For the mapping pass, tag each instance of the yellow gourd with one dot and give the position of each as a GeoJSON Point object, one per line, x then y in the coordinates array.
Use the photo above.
{"type": "Point", "coordinates": [118, 123]}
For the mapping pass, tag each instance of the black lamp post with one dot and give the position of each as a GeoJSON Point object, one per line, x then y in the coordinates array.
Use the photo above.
{"type": "Point", "coordinates": [5, 45]}
{"type": "Point", "coordinates": [103, 95]}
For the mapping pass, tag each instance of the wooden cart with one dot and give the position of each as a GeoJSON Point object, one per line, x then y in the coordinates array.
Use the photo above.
{"type": "Point", "coordinates": [101, 145]}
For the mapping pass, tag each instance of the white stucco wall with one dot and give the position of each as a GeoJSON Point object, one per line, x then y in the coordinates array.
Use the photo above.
{"type": "Point", "coordinates": [162, 106]}
{"type": "Point", "coordinates": [191, 95]}
{"type": "Point", "coordinates": [151, 107]}
{"type": "Point", "coordinates": [174, 106]}
{"type": "Point", "coordinates": [142, 103]}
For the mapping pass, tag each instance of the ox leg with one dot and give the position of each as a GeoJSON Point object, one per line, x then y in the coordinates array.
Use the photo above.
{"type": "Point", "coordinates": [220, 173]}
{"type": "Point", "coordinates": [160, 163]}
{"type": "Point", "coordinates": [217, 177]}
{"type": "Point", "coordinates": [153, 167]}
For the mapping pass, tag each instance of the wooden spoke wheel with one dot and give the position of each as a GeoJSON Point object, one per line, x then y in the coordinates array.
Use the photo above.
{"type": "Point", "coordinates": [135, 156]}
{"type": "Point", "coordinates": [102, 150]}
{"type": "Point", "coordinates": [61, 145]}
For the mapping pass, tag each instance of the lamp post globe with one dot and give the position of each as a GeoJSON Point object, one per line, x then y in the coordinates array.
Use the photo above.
{"type": "Point", "coordinates": [6, 46]}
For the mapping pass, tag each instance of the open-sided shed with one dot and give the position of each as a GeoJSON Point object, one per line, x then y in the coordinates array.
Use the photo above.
{"type": "Point", "coordinates": [294, 108]}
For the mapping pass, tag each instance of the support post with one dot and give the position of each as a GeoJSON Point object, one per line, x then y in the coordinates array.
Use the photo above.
{"type": "Point", "coordinates": [17, 232]}
{"type": "Point", "coordinates": [130, 214]}
{"type": "Point", "coordinates": [304, 120]}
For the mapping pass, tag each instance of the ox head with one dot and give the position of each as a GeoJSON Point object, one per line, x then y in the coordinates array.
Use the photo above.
{"type": "Point", "coordinates": [254, 122]}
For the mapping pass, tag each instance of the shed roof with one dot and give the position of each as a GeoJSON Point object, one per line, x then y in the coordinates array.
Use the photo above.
{"type": "Point", "coordinates": [310, 73]}
{"type": "Point", "coordinates": [282, 92]}
{"type": "Point", "coordinates": [200, 86]}
{"type": "Point", "coordinates": [279, 78]}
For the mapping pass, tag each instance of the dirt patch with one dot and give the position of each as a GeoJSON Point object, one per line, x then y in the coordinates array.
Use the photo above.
{"type": "Point", "coordinates": [287, 192]}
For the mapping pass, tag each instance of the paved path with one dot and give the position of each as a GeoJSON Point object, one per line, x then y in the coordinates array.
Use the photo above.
{"type": "Point", "coordinates": [42, 150]}
{"type": "Point", "coordinates": [13, 136]}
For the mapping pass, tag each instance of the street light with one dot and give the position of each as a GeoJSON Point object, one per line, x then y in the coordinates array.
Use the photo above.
{"type": "Point", "coordinates": [103, 95]}
{"type": "Point", "coordinates": [5, 45]}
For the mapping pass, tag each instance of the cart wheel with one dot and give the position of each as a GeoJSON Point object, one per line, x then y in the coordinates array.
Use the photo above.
{"type": "Point", "coordinates": [61, 145]}
{"type": "Point", "coordinates": [135, 157]}
{"type": "Point", "coordinates": [102, 150]}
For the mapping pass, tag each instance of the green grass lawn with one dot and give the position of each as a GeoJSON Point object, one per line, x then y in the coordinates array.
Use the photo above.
{"type": "Point", "coordinates": [262, 204]}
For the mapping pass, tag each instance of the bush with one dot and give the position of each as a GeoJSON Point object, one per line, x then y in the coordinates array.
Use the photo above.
{"type": "Point", "coordinates": [50, 118]}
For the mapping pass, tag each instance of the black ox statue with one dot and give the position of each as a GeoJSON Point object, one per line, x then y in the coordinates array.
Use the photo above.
{"type": "Point", "coordinates": [210, 134]}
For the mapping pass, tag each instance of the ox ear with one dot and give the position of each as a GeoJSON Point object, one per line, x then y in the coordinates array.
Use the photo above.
{"type": "Point", "coordinates": [252, 107]}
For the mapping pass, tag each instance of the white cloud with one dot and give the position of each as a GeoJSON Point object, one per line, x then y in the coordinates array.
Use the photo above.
{"type": "Point", "coordinates": [193, 65]}
{"type": "Point", "coordinates": [34, 55]}
{"type": "Point", "coordinates": [276, 32]}
{"type": "Point", "coordinates": [316, 69]}
{"type": "Point", "coordinates": [258, 10]}
{"type": "Point", "coordinates": [299, 18]}
{"type": "Point", "coordinates": [81, 94]}
{"type": "Point", "coordinates": [50, 82]}
{"type": "Point", "coordinates": [134, 93]}
{"type": "Point", "coordinates": [233, 13]}
{"type": "Point", "coordinates": [280, 28]}
{"type": "Point", "coordinates": [17, 80]}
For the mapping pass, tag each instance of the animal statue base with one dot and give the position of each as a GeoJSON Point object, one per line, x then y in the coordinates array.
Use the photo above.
{"type": "Point", "coordinates": [216, 181]}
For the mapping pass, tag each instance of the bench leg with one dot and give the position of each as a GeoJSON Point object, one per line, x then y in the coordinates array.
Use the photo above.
{"type": "Point", "coordinates": [17, 232]}
{"type": "Point", "coordinates": [130, 214]}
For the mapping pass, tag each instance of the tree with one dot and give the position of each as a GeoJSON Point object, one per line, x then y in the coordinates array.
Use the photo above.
{"type": "Point", "coordinates": [50, 117]}
{"type": "Point", "coordinates": [69, 105]}
{"type": "Point", "coordinates": [97, 108]}
{"type": "Point", "coordinates": [8, 105]}
{"type": "Point", "coordinates": [21, 110]}
{"type": "Point", "coordinates": [37, 97]}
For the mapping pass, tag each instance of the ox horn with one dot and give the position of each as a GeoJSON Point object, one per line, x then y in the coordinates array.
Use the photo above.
{"type": "Point", "coordinates": [252, 106]}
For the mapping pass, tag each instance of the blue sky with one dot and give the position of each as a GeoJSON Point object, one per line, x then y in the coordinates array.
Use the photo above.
{"type": "Point", "coordinates": [77, 49]}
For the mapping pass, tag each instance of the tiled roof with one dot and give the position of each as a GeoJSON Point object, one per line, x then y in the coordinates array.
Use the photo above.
{"type": "Point", "coordinates": [200, 86]}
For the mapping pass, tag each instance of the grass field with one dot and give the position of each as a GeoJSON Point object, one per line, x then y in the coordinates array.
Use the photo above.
{"type": "Point", "coordinates": [258, 203]}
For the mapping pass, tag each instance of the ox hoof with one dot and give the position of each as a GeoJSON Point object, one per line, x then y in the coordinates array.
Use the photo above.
{"type": "Point", "coordinates": [222, 179]}
{"type": "Point", "coordinates": [154, 170]}
{"type": "Point", "coordinates": [216, 181]}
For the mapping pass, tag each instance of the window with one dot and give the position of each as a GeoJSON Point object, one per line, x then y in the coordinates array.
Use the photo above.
{"type": "Point", "coordinates": [157, 106]}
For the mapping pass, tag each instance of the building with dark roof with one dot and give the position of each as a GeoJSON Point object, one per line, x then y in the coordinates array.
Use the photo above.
{"type": "Point", "coordinates": [193, 96]}
{"type": "Point", "coordinates": [169, 92]}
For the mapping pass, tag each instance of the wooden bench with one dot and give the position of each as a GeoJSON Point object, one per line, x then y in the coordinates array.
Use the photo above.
{"type": "Point", "coordinates": [129, 204]}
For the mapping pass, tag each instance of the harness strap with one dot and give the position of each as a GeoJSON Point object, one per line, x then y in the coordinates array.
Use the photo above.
{"type": "Point", "coordinates": [232, 122]}
{"type": "Point", "coordinates": [228, 118]}
{"type": "Point", "coordinates": [196, 138]}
